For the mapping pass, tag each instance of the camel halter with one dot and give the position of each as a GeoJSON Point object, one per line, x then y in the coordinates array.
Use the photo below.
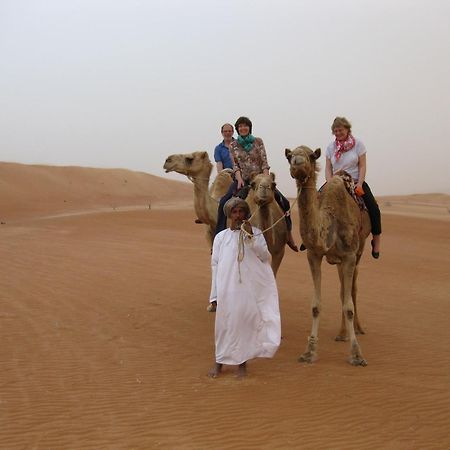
{"type": "Point", "coordinates": [285, 214]}
{"type": "Point", "coordinates": [192, 179]}
{"type": "Point", "coordinates": [243, 232]}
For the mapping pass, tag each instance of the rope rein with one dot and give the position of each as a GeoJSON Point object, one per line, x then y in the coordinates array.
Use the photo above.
{"type": "Point", "coordinates": [287, 213]}
{"type": "Point", "coordinates": [192, 179]}
{"type": "Point", "coordinates": [244, 233]}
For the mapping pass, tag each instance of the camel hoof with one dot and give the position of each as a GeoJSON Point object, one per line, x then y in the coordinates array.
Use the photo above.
{"type": "Point", "coordinates": [341, 338]}
{"type": "Point", "coordinates": [358, 361]}
{"type": "Point", "coordinates": [360, 331]}
{"type": "Point", "coordinates": [307, 357]}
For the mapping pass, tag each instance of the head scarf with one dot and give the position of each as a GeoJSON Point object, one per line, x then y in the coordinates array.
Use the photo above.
{"type": "Point", "coordinates": [233, 203]}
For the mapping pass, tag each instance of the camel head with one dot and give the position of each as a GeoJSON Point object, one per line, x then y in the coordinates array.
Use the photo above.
{"type": "Point", "coordinates": [190, 164]}
{"type": "Point", "coordinates": [263, 187]}
{"type": "Point", "coordinates": [302, 161]}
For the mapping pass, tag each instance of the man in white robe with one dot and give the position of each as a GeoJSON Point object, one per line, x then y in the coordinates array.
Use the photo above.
{"type": "Point", "coordinates": [247, 316]}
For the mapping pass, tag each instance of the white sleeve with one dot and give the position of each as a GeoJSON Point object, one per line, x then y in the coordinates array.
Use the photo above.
{"type": "Point", "coordinates": [360, 148]}
{"type": "Point", "coordinates": [214, 262]}
{"type": "Point", "coordinates": [258, 244]}
{"type": "Point", "coordinates": [329, 151]}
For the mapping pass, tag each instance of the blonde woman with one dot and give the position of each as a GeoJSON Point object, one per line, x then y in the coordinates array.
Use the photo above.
{"type": "Point", "coordinates": [349, 154]}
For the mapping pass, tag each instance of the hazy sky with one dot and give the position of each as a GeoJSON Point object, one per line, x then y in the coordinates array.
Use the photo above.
{"type": "Point", "coordinates": [125, 83]}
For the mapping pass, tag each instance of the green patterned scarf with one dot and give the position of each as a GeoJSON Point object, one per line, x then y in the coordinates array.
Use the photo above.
{"type": "Point", "coordinates": [246, 142]}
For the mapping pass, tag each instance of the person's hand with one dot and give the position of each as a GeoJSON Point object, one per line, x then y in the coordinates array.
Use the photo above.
{"type": "Point", "coordinates": [359, 191]}
{"type": "Point", "coordinates": [240, 181]}
{"type": "Point", "coordinates": [248, 227]}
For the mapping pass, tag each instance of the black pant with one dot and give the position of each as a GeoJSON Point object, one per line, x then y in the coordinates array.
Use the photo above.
{"type": "Point", "coordinates": [222, 218]}
{"type": "Point", "coordinates": [372, 208]}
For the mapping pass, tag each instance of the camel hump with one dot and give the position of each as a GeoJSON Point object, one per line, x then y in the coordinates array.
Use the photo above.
{"type": "Point", "coordinates": [221, 184]}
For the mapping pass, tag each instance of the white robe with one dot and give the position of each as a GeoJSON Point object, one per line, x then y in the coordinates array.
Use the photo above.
{"type": "Point", "coordinates": [248, 316]}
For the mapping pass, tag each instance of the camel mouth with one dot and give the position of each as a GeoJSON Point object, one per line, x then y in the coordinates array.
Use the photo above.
{"type": "Point", "coordinates": [262, 202]}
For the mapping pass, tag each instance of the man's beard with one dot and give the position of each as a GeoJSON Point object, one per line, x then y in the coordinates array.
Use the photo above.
{"type": "Point", "coordinates": [236, 224]}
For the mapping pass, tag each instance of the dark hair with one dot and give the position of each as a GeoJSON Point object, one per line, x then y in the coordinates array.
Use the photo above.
{"type": "Point", "coordinates": [243, 120]}
{"type": "Point", "coordinates": [224, 125]}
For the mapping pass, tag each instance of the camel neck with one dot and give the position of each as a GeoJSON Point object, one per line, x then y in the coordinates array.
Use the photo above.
{"type": "Point", "coordinates": [307, 209]}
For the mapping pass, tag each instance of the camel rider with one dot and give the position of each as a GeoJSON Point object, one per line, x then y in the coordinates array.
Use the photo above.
{"type": "Point", "coordinates": [222, 155]}
{"type": "Point", "coordinates": [249, 157]}
{"type": "Point", "coordinates": [349, 154]}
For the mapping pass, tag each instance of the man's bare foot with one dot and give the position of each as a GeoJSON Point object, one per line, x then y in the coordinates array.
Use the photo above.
{"type": "Point", "coordinates": [242, 370]}
{"type": "Point", "coordinates": [215, 371]}
{"type": "Point", "coordinates": [212, 307]}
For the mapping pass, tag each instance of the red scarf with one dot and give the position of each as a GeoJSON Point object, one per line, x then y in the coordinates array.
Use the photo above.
{"type": "Point", "coordinates": [343, 146]}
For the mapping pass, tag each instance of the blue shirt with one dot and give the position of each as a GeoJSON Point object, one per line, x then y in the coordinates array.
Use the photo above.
{"type": "Point", "coordinates": [222, 154]}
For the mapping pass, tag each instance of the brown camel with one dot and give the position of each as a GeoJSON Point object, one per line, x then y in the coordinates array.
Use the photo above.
{"type": "Point", "coordinates": [197, 167]}
{"type": "Point", "coordinates": [265, 213]}
{"type": "Point", "coordinates": [331, 225]}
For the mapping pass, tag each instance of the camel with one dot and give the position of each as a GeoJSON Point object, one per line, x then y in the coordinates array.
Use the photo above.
{"type": "Point", "coordinates": [197, 167]}
{"type": "Point", "coordinates": [265, 213]}
{"type": "Point", "coordinates": [331, 225]}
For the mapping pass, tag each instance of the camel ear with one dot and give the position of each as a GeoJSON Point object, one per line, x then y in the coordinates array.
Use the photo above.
{"type": "Point", "coordinates": [203, 155]}
{"type": "Point", "coordinates": [317, 153]}
{"type": "Point", "coordinates": [253, 175]}
{"type": "Point", "coordinates": [272, 176]}
{"type": "Point", "coordinates": [288, 154]}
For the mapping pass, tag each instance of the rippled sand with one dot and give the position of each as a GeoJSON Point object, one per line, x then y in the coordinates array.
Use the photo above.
{"type": "Point", "coordinates": [106, 343]}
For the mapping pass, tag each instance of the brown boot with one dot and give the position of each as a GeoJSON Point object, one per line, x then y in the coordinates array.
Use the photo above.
{"type": "Point", "coordinates": [290, 242]}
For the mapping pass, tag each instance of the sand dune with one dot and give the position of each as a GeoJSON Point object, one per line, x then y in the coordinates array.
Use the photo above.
{"type": "Point", "coordinates": [106, 342]}
{"type": "Point", "coordinates": [435, 206]}
{"type": "Point", "coordinates": [32, 190]}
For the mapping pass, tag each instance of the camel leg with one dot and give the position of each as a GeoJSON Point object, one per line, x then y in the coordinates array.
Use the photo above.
{"type": "Point", "coordinates": [358, 327]}
{"type": "Point", "coordinates": [348, 268]}
{"type": "Point", "coordinates": [276, 261]}
{"type": "Point", "coordinates": [310, 353]}
{"type": "Point", "coordinates": [210, 235]}
{"type": "Point", "coordinates": [342, 336]}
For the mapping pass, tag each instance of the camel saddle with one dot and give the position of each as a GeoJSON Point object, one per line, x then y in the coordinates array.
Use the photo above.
{"type": "Point", "coordinates": [349, 184]}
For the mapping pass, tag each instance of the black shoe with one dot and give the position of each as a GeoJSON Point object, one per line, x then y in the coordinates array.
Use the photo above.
{"type": "Point", "coordinates": [375, 255]}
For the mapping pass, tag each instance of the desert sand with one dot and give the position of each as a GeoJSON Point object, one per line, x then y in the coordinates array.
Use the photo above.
{"type": "Point", "coordinates": [106, 342]}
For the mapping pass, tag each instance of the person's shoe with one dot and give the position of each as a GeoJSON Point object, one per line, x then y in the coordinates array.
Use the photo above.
{"type": "Point", "coordinates": [198, 221]}
{"type": "Point", "coordinates": [302, 247]}
{"type": "Point", "coordinates": [375, 255]}
{"type": "Point", "coordinates": [212, 307]}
